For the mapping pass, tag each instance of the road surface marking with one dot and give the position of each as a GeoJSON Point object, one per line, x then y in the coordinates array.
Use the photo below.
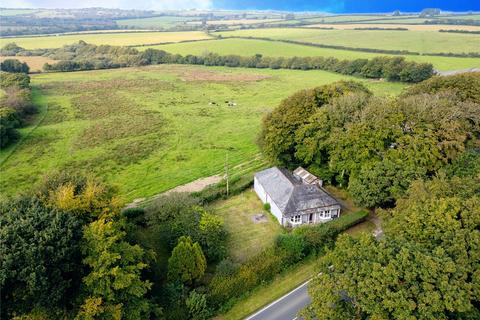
{"type": "Point", "coordinates": [281, 298]}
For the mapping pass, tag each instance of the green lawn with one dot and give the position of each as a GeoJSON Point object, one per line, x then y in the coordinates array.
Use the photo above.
{"type": "Point", "coordinates": [149, 129]}
{"type": "Point", "coordinates": [246, 238]}
{"type": "Point", "coordinates": [114, 39]}
{"type": "Point", "coordinates": [249, 47]}
{"type": "Point", "coordinates": [415, 41]}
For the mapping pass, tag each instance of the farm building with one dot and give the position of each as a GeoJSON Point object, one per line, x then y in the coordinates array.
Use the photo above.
{"type": "Point", "coordinates": [295, 198]}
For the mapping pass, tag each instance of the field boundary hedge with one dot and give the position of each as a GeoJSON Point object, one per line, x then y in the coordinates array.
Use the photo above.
{"type": "Point", "coordinates": [290, 249]}
{"type": "Point", "coordinates": [369, 50]}
{"type": "Point", "coordinates": [85, 56]}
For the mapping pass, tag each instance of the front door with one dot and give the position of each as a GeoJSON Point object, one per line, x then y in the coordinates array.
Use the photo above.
{"type": "Point", "coordinates": [310, 218]}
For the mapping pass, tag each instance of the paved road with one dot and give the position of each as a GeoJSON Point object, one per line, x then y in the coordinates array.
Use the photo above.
{"type": "Point", "coordinates": [286, 307]}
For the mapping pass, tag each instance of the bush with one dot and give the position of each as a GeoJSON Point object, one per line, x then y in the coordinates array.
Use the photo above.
{"type": "Point", "coordinates": [135, 215]}
{"type": "Point", "coordinates": [8, 124]}
{"type": "Point", "coordinates": [259, 269]}
{"type": "Point", "coordinates": [321, 236]}
{"type": "Point", "coordinates": [197, 306]}
{"type": "Point", "coordinates": [266, 207]}
{"type": "Point", "coordinates": [14, 65]}
{"type": "Point", "coordinates": [293, 244]}
{"type": "Point", "coordinates": [8, 79]}
{"type": "Point", "coordinates": [219, 191]}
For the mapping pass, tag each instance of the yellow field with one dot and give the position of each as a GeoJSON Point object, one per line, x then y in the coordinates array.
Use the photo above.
{"type": "Point", "coordinates": [412, 27]}
{"type": "Point", "coordinates": [35, 63]}
{"type": "Point", "coordinates": [115, 39]}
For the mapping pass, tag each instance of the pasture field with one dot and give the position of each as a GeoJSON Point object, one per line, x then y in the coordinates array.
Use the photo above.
{"type": "Point", "coordinates": [233, 22]}
{"type": "Point", "coordinates": [16, 12]}
{"type": "Point", "coordinates": [149, 129]}
{"type": "Point", "coordinates": [415, 20]}
{"type": "Point", "coordinates": [249, 47]}
{"type": "Point", "coordinates": [411, 27]}
{"type": "Point", "coordinates": [34, 62]}
{"type": "Point", "coordinates": [464, 17]}
{"type": "Point", "coordinates": [418, 41]}
{"type": "Point", "coordinates": [156, 22]}
{"type": "Point", "coordinates": [346, 18]}
{"type": "Point", "coordinates": [114, 39]}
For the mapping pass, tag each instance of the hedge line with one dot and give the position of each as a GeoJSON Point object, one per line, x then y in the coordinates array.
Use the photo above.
{"type": "Point", "coordinates": [289, 249]}
{"type": "Point", "coordinates": [371, 50]}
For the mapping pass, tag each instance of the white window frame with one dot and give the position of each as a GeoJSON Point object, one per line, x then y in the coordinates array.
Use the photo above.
{"type": "Point", "coordinates": [296, 219]}
{"type": "Point", "coordinates": [328, 214]}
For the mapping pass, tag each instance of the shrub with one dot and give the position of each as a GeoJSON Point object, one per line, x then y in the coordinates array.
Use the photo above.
{"type": "Point", "coordinates": [197, 306]}
{"type": "Point", "coordinates": [219, 190]}
{"type": "Point", "coordinates": [266, 206]}
{"type": "Point", "coordinates": [14, 65]}
{"type": "Point", "coordinates": [259, 269]}
{"type": "Point", "coordinates": [293, 244]}
{"type": "Point", "coordinates": [226, 267]}
{"type": "Point", "coordinates": [135, 215]}
{"type": "Point", "coordinates": [8, 122]}
{"type": "Point", "coordinates": [8, 79]}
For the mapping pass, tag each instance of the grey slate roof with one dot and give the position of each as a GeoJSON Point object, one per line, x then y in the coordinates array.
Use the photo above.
{"type": "Point", "coordinates": [290, 194]}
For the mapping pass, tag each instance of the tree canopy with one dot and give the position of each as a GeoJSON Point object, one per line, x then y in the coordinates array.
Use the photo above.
{"type": "Point", "coordinates": [375, 146]}
{"type": "Point", "coordinates": [187, 262]}
{"type": "Point", "coordinates": [40, 256]}
{"type": "Point", "coordinates": [426, 266]}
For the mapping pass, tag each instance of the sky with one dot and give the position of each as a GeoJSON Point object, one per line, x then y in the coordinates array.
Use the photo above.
{"type": "Point", "coordinates": [333, 6]}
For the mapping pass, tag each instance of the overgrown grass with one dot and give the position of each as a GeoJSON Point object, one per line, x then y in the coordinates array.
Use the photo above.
{"type": "Point", "coordinates": [415, 41]}
{"type": "Point", "coordinates": [250, 47]}
{"type": "Point", "coordinates": [246, 238]}
{"type": "Point", "coordinates": [114, 39]}
{"type": "Point", "coordinates": [149, 129]}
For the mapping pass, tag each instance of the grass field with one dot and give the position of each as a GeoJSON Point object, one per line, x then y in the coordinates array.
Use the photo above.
{"type": "Point", "coordinates": [345, 18]}
{"type": "Point", "coordinates": [412, 27]}
{"type": "Point", "coordinates": [16, 12]}
{"type": "Point", "coordinates": [246, 238]}
{"type": "Point", "coordinates": [116, 39]}
{"type": "Point", "coordinates": [418, 41]}
{"type": "Point", "coordinates": [34, 62]}
{"type": "Point", "coordinates": [149, 129]}
{"type": "Point", "coordinates": [249, 47]}
{"type": "Point", "coordinates": [156, 22]}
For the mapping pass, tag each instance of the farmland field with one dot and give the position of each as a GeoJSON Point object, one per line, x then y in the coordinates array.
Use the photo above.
{"type": "Point", "coordinates": [116, 39]}
{"type": "Point", "coordinates": [412, 27]}
{"type": "Point", "coordinates": [34, 62]}
{"type": "Point", "coordinates": [16, 12]}
{"type": "Point", "coordinates": [346, 18]}
{"type": "Point", "coordinates": [149, 129]}
{"type": "Point", "coordinates": [418, 41]}
{"type": "Point", "coordinates": [249, 47]}
{"type": "Point", "coordinates": [156, 22]}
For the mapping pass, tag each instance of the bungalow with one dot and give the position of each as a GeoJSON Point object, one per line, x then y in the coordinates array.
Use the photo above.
{"type": "Point", "coordinates": [295, 198]}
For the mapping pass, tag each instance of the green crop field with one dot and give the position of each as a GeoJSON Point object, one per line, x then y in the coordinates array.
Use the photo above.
{"type": "Point", "coordinates": [463, 17]}
{"type": "Point", "coordinates": [149, 129]}
{"type": "Point", "coordinates": [156, 22]}
{"type": "Point", "coordinates": [16, 12]}
{"type": "Point", "coordinates": [416, 41]}
{"type": "Point", "coordinates": [345, 18]}
{"type": "Point", "coordinates": [116, 39]}
{"type": "Point", "coordinates": [249, 47]}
